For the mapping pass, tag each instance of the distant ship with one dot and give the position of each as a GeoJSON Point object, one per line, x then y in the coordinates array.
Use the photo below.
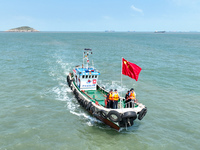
{"type": "Point", "coordinates": [159, 31]}
{"type": "Point", "coordinates": [110, 31]}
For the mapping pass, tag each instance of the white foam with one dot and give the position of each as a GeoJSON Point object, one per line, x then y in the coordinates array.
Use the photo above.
{"type": "Point", "coordinates": [114, 85]}
{"type": "Point", "coordinates": [58, 72]}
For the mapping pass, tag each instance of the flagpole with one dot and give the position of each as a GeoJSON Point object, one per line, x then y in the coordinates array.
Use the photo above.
{"type": "Point", "coordinates": [121, 83]}
{"type": "Point", "coordinates": [121, 73]}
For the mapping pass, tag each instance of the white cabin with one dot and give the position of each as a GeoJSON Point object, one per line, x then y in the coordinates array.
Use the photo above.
{"type": "Point", "coordinates": [86, 77]}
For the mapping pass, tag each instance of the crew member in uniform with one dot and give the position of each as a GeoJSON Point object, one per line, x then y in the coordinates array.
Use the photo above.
{"type": "Point", "coordinates": [115, 99]}
{"type": "Point", "coordinates": [127, 97]}
{"type": "Point", "coordinates": [109, 98]}
{"type": "Point", "coordinates": [132, 96]}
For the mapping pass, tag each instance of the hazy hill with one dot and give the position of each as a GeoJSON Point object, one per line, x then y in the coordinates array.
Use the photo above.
{"type": "Point", "coordinates": [23, 29]}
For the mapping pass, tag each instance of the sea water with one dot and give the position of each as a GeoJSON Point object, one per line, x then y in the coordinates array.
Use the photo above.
{"type": "Point", "coordinates": [39, 111]}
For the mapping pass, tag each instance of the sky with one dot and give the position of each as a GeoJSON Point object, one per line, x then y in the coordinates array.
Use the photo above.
{"type": "Point", "coordinates": [101, 15]}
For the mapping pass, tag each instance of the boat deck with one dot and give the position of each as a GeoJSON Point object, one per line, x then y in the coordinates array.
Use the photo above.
{"type": "Point", "coordinates": [99, 96]}
{"type": "Point", "coordinates": [96, 96]}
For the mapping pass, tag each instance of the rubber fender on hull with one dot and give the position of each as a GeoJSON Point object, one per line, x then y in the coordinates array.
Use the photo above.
{"type": "Point", "coordinates": [74, 91]}
{"type": "Point", "coordinates": [69, 82]}
{"type": "Point", "coordinates": [68, 79]}
{"type": "Point", "coordinates": [114, 116]}
{"type": "Point", "coordinates": [130, 114]}
{"type": "Point", "coordinates": [88, 106]}
{"type": "Point", "coordinates": [76, 95]}
{"type": "Point", "coordinates": [85, 104]}
{"type": "Point", "coordinates": [126, 122]}
{"type": "Point", "coordinates": [81, 103]}
{"type": "Point", "coordinates": [103, 114]}
{"type": "Point", "coordinates": [142, 113]}
{"type": "Point", "coordinates": [92, 109]}
{"type": "Point", "coordinates": [79, 99]}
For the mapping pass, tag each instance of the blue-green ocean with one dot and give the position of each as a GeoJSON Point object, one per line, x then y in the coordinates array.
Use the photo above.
{"type": "Point", "coordinates": [38, 111]}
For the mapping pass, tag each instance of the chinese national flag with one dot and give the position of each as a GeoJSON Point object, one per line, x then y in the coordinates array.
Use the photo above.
{"type": "Point", "coordinates": [130, 69]}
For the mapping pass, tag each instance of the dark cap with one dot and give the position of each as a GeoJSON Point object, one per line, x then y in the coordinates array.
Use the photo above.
{"type": "Point", "coordinates": [111, 90]}
{"type": "Point", "coordinates": [132, 89]}
{"type": "Point", "coordinates": [115, 89]}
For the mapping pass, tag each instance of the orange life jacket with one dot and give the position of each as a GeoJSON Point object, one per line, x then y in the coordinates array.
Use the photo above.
{"type": "Point", "coordinates": [110, 97]}
{"type": "Point", "coordinates": [132, 95]}
{"type": "Point", "coordinates": [115, 96]}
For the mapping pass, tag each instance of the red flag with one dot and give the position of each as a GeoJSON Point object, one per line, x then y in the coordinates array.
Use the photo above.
{"type": "Point", "coordinates": [130, 69]}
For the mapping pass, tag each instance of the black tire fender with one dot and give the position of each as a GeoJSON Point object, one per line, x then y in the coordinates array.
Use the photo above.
{"type": "Point", "coordinates": [88, 106]}
{"type": "Point", "coordinates": [114, 116]}
{"type": "Point", "coordinates": [85, 104]}
{"type": "Point", "coordinates": [81, 102]}
{"type": "Point", "coordinates": [142, 113]}
{"type": "Point", "coordinates": [126, 122]}
{"type": "Point", "coordinates": [103, 114]}
{"type": "Point", "coordinates": [69, 83]}
{"type": "Point", "coordinates": [78, 99]}
{"type": "Point", "coordinates": [74, 91]}
{"type": "Point", "coordinates": [76, 95]}
{"type": "Point", "coordinates": [130, 114]}
{"type": "Point", "coordinates": [92, 109]}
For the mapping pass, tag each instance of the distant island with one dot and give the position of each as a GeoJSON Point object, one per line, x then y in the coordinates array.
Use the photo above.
{"type": "Point", "coordinates": [23, 29]}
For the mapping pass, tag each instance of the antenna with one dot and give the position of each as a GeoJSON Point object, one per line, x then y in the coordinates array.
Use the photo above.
{"type": "Point", "coordinates": [92, 64]}
{"type": "Point", "coordinates": [86, 53]}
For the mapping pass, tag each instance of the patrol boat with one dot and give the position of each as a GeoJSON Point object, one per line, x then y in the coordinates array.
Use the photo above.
{"type": "Point", "coordinates": [83, 81]}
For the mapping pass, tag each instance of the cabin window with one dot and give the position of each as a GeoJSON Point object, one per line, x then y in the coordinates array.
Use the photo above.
{"type": "Point", "coordinates": [92, 76]}
{"type": "Point", "coordinates": [86, 76]}
{"type": "Point", "coordinates": [83, 76]}
{"type": "Point", "coordinates": [95, 76]}
{"type": "Point", "coordinates": [89, 76]}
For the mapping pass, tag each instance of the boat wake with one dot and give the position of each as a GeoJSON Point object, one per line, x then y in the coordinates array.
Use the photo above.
{"type": "Point", "coordinates": [91, 120]}
{"type": "Point", "coordinates": [58, 71]}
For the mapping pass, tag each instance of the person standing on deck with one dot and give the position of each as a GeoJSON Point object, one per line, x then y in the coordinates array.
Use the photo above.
{"type": "Point", "coordinates": [132, 95]}
{"type": "Point", "coordinates": [109, 98]}
{"type": "Point", "coordinates": [127, 97]}
{"type": "Point", "coordinates": [115, 99]}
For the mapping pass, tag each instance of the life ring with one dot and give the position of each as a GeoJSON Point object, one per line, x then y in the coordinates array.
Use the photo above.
{"type": "Point", "coordinates": [114, 116]}
{"type": "Point", "coordinates": [142, 113]}
{"type": "Point", "coordinates": [130, 114]}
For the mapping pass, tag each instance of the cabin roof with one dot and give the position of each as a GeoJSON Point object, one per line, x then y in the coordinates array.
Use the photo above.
{"type": "Point", "coordinates": [87, 71]}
